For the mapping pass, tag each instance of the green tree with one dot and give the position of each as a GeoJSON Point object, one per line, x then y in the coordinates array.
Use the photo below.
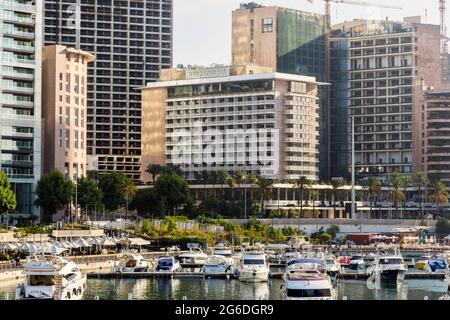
{"type": "Point", "coordinates": [301, 185]}
{"type": "Point", "coordinates": [128, 191]}
{"type": "Point", "coordinates": [223, 177]}
{"type": "Point", "coordinates": [88, 194]}
{"type": "Point", "coordinates": [232, 184]}
{"type": "Point", "coordinates": [333, 230]}
{"type": "Point", "coordinates": [7, 195]}
{"type": "Point", "coordinates": [53, 192]}
{"type": "Point", "coordinates": [421, 181]}
{"type": "Point", "coordinates": [374, 188]}
{"type": "Point", "coordinates": [324, 238]}
{"type": "Point", "coordinates": [154, 170]}
{"type": "Point", "coordinates": [439, 195]}
{"type": "Point", "coordinates": [173, 190]}
{"type": "Point", "coordinates": [111, 186]}
{"type": "Point", "coordinates": [442, 227]}
{"type": "Point", "coordinates": [147, 203]}
{"type": "Point", "coordinates": [397, 195]}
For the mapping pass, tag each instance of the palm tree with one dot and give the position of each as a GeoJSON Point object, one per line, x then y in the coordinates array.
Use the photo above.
{"type": "Point", "coordinates": [128, 192]}
{"type": "Point", "coordinates": [205, 178]}
{"type": "Point", "coordinates": [253, 180]}
{"type": "Point", "coordinates": [336, 184]}
{"type": "Point", "coordinates": [239, 178]}
{"type": "Point", "coordinates": [439, 195]}
{"type": "Point", "coordinates": [421, 180]}
{"type": "Point", "coordinates": [264, 189]}
{"type": "Point", "coordinates": [374, 188]}
{"type": "Point", "coordinates": [301, 184]}
{"type": "Point", "coordinates": [397, 195]}
{"type": "Point", "coordinates": [154, 170]}
{"type": "Point", "coordinates": [223, 177]}
{"type": "Point", "coordinates": [232, 184]}
{"type": "Point", "coordinates": [314, 194]}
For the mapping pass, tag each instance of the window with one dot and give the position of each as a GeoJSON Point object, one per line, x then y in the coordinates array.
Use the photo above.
{"type": "Point", "coordinates": [267, 25]}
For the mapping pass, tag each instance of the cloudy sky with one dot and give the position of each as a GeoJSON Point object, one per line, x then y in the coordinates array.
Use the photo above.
{"type": "Point", "coordinates": [202, 28]}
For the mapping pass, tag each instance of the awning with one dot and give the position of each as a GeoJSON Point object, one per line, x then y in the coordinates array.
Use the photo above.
{"type": "Point", "coordinates": [136, 242]}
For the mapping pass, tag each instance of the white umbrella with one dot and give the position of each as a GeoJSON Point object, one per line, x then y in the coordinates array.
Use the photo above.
{"type": "Point", "coordinates": [108, 242]}
{"type": "Point", "coordinates": [8, 246]}
{"type": "Point", "coordinates": [74, 245]}
{"type": "Point", "coordinates": [96, 241]}
{"type": "Point", "coordinates": [83, 243]}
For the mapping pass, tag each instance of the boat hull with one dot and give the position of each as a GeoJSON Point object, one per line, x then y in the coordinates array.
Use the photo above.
{"type": "Point", "coordinates": [392, 276]}
{"type": "Point", "coordinates": [253, 276]}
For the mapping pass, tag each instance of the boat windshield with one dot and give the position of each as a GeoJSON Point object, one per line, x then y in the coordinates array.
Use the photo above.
{"type": "Point", "coordinates": [254, 261]}
{"type": "Point", "coordinates": [165, 263]}
{"type": "Point", "coordinates": [308, 293]}
{"type": "Point", "coordinates": [391, 261]}
{"type": "Point", "coordinates": [39, 280]}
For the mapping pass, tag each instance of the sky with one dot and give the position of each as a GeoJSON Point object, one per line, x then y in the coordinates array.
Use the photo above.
{"type": "Point", "coordinates": [202, 28]}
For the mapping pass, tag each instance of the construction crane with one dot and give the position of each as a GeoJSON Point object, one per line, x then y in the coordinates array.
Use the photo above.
{"type": "Point", "coordinates": [356, 3]}
{"type": "Point", "coordinates": [444, 41]}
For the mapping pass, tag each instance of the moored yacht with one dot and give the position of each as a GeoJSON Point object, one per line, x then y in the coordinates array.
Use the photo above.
{"type": "Point", "coordinates": [253, 267]}
{"type": "Point", "coordinates": [132, 262]}
{"type": "Point", "coordinates": [306, 279]}
{"type": "Point", "coordinates": [422, 263]}
{"type": "Point", "coordinates": [51, 277]}
{"type": "Point", "coordinates": [438, 264]}
{"type": "Point", "coordinates": [218, 264]}
{"type": "Point", "coordinates": [167, 264]}
{"type": "Point", "coordinates": [389, 268]}
{"type": "Point", "coordinates": [195, 256]}
{"type": "Point", "coordinates": [357, 264]}
{"type": "Point", "coordinates": [333, 266]}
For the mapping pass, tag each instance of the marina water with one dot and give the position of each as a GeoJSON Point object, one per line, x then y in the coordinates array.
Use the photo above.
{"type": "Point", "coordinates": [219, 289]}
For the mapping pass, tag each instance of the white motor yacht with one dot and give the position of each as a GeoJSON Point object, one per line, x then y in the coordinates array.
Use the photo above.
{"type": "Point", "coordinates": [389, 268]}
{"type": "Point", "coordinates": [132, 262]}
{"type": "Point", "coordinates": [51, 277]}
{"type": "Point", "coordinates": [253, 267]}
{"type": "Point", "coordinates": [306, 279]}
{"type": "Point", "coordinates": [332, 264]}
{"type": "Point", "coordinates": [167, 264]}
{"type": "Point", "coordinates": [357, 264]}
{"type": "Point", "coordinates": [195, 256]}
{"type": "Point", "coordinates": [216, 264]}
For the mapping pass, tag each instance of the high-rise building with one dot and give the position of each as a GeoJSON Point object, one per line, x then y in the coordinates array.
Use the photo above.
{"type": "Point", "coordinates": [20, 104]}
{"type": "Point", "coordinates": [64, 110]}
{"type": "Point", "coordinates": [436, 138]}
{"type": "Point", "coordinates": [132, 41]}
{"type": "Point", "coordinates": [243, 118]}
{"type": "Point", "coordinates": [289, 41]}
{"type": "Point", "coordinates": [380, 71]}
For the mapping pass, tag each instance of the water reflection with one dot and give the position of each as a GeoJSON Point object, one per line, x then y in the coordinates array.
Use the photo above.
{"type": "Point", "coordinates": [219, 289]}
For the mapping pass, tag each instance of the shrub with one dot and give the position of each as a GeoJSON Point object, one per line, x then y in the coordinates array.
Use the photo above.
{"type": "Point", "coordinates": [325, 238]}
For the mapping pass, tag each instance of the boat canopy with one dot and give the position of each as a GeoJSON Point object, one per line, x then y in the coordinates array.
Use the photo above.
{"type": "Point", "coordinates": [306, 260]}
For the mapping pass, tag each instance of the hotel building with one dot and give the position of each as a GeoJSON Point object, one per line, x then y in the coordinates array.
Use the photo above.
{"type": "Point", "coordinates": [288, 41]}
{"type": "Point", "coordinates": [20, 103]}
{"type": "Point", "coordinates": [436, 138]}
{"type": "Point", "coordinates": [244, 118]}
{"type": "Point", "coordinates": [64, 110]}
{"type": "Point", "coordinates": [380, 70]}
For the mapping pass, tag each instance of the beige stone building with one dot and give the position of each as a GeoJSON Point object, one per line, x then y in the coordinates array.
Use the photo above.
{"type": "Point", "coordinates": [240, 118]}
{"type": "Point", "coordinates": [64, 110]}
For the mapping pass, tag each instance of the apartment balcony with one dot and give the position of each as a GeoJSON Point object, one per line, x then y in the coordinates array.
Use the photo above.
{"type": "Point", "coordinates": [17, 89]}
{"type": "Point", "coordinates": [17, 103]}
{"type": "Point", "coordinates": [16, 163]}
{"type": "Point", "coordinates": [16, 34]}
{"type": "Point", "coordinates": [18, 6]}
{"type": "Point", "coordinates": [28, 62]}
{"type": "Point", "coordinates": [18, 20]}
{"type": "Point", "coordinates": [18, 48]}
{"type": "Point", "coordinates": [17, 75]}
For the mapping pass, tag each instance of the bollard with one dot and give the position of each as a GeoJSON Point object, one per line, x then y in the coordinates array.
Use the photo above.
{"type": "Point", "coordinates": [97, 298]}
{"type": "Point", "coordinates": [130, 296]}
